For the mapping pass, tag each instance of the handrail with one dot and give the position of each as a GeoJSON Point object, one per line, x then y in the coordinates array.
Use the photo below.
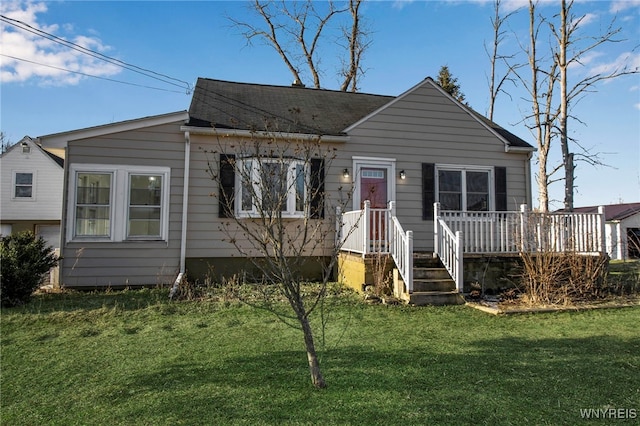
{"type": "Point", "coordinates": [448, 247]}
{"type": "Point", "coordinates": [378, 231]}
{"type": "Point", "coordinates": [401, 249]}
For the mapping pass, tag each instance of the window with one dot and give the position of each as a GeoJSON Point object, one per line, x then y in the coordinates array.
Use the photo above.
{"type": "Point", "coordinates": [23, 187]}
{"type": "Point", "coordinates": [119, 203]}
{"type": "Point", "coordinates": [268, 186]}
{"type": "Point", "coordinates": [93, 205]}
{"type": "Point", "coordinates": [462, 189]}
{"type": "Point", "coordinates": [145, 205]}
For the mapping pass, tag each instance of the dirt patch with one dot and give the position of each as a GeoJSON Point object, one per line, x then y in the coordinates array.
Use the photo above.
{"type": "Point", "coordinates": [497, 307]}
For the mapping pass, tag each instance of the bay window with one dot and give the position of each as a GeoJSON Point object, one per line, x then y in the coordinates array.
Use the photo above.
{"type": "Point", "coordinates": [271, 187]}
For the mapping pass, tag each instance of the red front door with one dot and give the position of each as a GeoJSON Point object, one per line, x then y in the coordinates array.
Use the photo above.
{"type": "Point", "coordinates": [373, 187]}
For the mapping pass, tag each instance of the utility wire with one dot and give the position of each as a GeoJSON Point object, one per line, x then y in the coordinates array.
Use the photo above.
{"type": "Point", "coordinates": [90, 75]}
{"type": "Point", "coordinates": [146, 72]}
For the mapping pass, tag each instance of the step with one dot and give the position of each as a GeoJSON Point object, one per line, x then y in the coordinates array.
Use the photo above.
{"type": "Point", "coordinates": [422, 260]}
{"type": "Point", "coordinates": [436, 298]}
{"type": "Point", "coordinates": [430, 273]}
{"type": "Point", "coordinates": [443, 284]}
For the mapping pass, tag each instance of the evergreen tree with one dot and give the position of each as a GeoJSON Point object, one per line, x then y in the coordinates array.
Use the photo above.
{"type": "Point", "coordinates": [450, 84]}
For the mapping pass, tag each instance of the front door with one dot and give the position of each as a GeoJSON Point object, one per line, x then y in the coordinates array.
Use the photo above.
{"type": "Point", "coordinates": [374, 187]}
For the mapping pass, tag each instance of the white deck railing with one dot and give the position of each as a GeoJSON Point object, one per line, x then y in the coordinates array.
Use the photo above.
{"type": "Point", "coordinates": [378, 231]}
{"type": "Point", "coordinates": [448, 247]}
{"type": "Point", "coordinates": [525, 231]}
{"type": "Point", "coordinates": [401, 248]}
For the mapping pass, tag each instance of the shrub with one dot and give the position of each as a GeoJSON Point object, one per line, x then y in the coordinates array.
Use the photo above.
{"type": "Point", "coordinates": [24, 261]}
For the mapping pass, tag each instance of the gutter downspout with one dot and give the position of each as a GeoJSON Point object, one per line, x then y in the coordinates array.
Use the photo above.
{"type": "Point", "coordinates": [185, 208]}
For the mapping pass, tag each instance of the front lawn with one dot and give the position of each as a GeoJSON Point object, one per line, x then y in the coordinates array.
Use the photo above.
{"type": "Point", "coordinates": [134, 358]}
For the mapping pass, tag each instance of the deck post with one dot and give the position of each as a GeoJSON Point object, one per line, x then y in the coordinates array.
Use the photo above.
{"type": "Point", "coordinates": [338, 227]}
{"type": "Point", "coordinates": [436, 214]}
{"type": "Point", "coordinates": [523, 228]}
{"type": "Point", "coordinates": [459, 260]}
{"type": "Point", "coordinates": [409, 261]}
{"type": "Point", "coordinates": [366, 229]}
{"type": "Point", "coordinates": [602, 230]}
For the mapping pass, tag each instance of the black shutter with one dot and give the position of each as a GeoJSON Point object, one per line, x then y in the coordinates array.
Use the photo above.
{"type": "Point", "coordinates": [428, 190]}
{"type": "Point", "coordinates": [500, 175]}
{"type": "Point", "coordinates": [227, 184]}
{"type": "Point", "coordinates": [317, 189]}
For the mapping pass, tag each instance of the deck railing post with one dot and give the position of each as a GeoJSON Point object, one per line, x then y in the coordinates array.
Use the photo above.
{"type": "Point", "coordinates": [459, 260]}
{"type": "Point", "coordinates": [409, 261]}
{"type": "Point", "coordinates": [603, 240]}
{"type": "Point", "coordinates": [366, 229]}
{"type": "Point", "coordinates": [436, 215]}
{"type": "Point", "coordinates": [339, 225]}
{"type": "Point", "coordinates": [523, 227]}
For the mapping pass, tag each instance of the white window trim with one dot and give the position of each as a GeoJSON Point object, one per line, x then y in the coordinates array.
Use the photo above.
{"type": "Point", "coordinates": [464, 168]}
{"type": "Point", "coordinates": [290, 212]}
{"type": "Point", "coordinates": [374, 162]}
{"type": "Point", "coordinates": [34, 179]}
{"type": "Point", "coordinates": [119, 201]}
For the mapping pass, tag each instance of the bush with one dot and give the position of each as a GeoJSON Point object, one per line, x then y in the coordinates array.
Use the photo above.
{"type": "Point", "coordinates": [24, 261]}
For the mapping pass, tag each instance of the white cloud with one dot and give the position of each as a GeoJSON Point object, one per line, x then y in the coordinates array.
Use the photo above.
{"type": "Point", "coordinates": [625, 61]}
{"type": "Point", "coordinates": [620, 5]}
{"type": "Point", "coordinates": [43, 59]}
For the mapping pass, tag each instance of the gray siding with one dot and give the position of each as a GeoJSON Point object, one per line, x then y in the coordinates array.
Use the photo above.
{"type": "Point", "coordinates": [422, 127]}
{"type": "Point", "coordinates": [426, 127]}
{"type": "Point", "coordinates": [116, 264]}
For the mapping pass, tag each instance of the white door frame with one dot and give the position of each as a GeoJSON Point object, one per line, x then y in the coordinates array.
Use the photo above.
{"type": "Point", "coordinates": [382, 163]}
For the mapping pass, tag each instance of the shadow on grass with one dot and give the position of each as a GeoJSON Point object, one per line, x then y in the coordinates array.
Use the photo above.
{"type": "Point", "coordinates": [506, 380]}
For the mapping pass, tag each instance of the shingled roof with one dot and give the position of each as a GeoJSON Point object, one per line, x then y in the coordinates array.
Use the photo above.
{"type": "Point", "coordinates": [293, 109]}
{"type": "Point", "coordinates": [612, 212]}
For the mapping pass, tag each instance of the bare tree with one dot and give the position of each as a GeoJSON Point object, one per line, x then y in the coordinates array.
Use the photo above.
{"type": "Point", "coordinates": [295, 29]}
{"type": "Point", "coordinates": [281, 219]}
{"type": "Point", "coordinates": [540, 87]}
{"type": "Point", "coordinates": [5, 142]}
{"type": "Point", "coordinates": [358, 42]}
{"type": "Point", "coordinates": [496, 83]}
{"type": "Point", "coordinates": [571, 49]}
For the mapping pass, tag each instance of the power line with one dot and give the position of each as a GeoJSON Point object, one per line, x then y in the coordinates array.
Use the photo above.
{"type": "Point", "coordinates": [134, 68]}
{"type": "Point", "coordinates": [89, 75]}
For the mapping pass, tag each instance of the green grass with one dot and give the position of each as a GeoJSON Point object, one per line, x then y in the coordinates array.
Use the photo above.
{"type": "Point", "coordinates": [133, 358]}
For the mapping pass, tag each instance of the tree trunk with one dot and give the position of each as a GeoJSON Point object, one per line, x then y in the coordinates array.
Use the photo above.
{"type": "Point", "coordinates": [314, 364]}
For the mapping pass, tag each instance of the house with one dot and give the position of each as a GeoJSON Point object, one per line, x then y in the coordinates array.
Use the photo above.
{"type": "Point", "coordinates": [622, 229]}
{"type": "Point", "coordinates": [31, 194]}
{"type": "Point", "coordinates": [138, 204]}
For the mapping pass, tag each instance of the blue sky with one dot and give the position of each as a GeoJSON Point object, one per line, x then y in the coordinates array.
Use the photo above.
{"type": "Point", "coordinates": [410, 41]}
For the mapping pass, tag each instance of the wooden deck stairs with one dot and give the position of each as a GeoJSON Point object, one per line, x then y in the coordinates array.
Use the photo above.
{"type": "Point", "coordinates": [432, 284]}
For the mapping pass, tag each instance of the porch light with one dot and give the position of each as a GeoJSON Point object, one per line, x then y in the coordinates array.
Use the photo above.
{"type": "Point", "coordinates": [345, 173]}
{"type": "Point", "coordinates": [402, 174]}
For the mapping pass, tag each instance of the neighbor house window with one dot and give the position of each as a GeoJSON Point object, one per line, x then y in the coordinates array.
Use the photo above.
{"type": "Point", "coordinates": [23, 187]}
{"type": "Point", "coordinates": [269, 186]}
{"type": "Point", "coordinates": [463, 189]}
{"type": "Point", "coordinates": [119, 203]}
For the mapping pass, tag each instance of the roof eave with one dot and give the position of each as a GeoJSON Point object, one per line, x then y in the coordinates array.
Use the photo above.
{"type": "Point", "coordinates": [60, 140]}
{"type": "Point", "coordinates": [262, 134]}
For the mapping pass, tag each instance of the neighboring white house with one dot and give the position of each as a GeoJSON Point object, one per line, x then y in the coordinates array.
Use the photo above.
{"type": "Point", "coordinates": [622, 229]}
{"type": "Point", "coordinates": [31, 191]}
